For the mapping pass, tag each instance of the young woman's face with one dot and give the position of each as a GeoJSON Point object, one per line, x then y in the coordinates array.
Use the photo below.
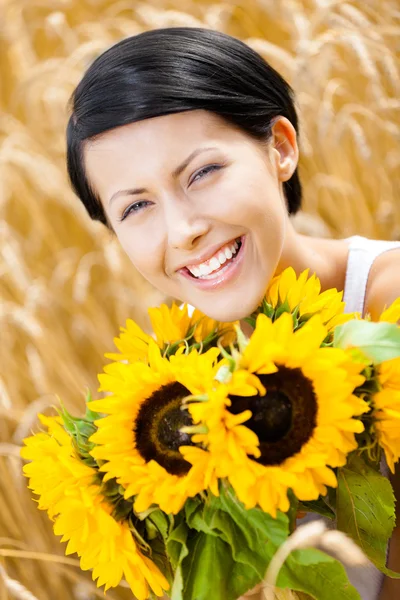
{"type": "Point", "coordinates": [197, 206]}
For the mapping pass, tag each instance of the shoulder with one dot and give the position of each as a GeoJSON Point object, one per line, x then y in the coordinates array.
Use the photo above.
{"type": "Point", "coordinates": [383, 286]}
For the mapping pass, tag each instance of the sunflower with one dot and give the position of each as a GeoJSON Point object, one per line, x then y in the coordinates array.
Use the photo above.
{"type": "Point", "coordinates": [173, 327]}
{"type": "Point", "coordinates": [285, 416]}
{"type": "Point", "coordinates": [386, 402]}
{"type": "Point", "coordinates": [304, 293]}
{"type": "Point", "coordinates": [386, 410]}
{"type": "Point", "coordinates": [392, 313]}
{"type": "Point", "coordinates": [132, 343]}
{"type": "Point", "coordinates": [67, 489]}
{"type": "Point", "coordinates": [141, 437]}
{"type": "Point", "coordinates": [170, 324]}
{"type": "Point", "coordinates": [208, 329]}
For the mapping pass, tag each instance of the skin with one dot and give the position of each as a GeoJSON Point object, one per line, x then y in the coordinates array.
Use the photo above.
{"type": "Point", "coordinates": [179, 219]}
{"type": "Point", "coordinates": [182, 216]}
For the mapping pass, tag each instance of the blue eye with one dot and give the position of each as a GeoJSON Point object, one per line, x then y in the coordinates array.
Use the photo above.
{"type": "Point", "coordinates": [205, 171]}
{"type": "Point", "coordinates": [135, 207]}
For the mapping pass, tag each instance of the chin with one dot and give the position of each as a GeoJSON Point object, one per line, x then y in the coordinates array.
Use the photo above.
{"type": "Point", "coordinates": [231, 311]}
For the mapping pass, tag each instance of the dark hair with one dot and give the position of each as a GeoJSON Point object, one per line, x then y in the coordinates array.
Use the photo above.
{"type": "Point", "coordinates": [172, 70]}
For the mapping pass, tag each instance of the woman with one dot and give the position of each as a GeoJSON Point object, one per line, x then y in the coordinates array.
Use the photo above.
{"type": "Point", "coordinates": [183, 141]}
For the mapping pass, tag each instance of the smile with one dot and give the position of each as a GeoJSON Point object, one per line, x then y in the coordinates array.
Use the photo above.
{"type": "Point", "coordinates": [207, 268]}
{"type": "Point", "coordinates": [220, 268]}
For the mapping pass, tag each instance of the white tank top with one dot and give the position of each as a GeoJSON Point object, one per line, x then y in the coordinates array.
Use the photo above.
{"type": "Point", "coordinates": [362, 253]}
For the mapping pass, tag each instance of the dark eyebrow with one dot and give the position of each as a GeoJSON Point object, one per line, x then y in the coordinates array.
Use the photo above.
{"type": "Point", "coordinates": [175, 174]}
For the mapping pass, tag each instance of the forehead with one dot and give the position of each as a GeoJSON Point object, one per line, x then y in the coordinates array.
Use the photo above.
{"type": "Point", "coordinates": [166, 137]}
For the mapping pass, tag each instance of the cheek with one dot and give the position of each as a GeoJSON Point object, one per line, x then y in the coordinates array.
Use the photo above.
{"type": "Point", "coordinates": [254, 202]}
{"type": "Point", "coordinates": [144, 251]}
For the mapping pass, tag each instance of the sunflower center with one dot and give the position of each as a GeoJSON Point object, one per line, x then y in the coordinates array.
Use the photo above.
{"type": "Point", "coordinates": [284, 419]}
{"type": "Point", "coordinates": [157, 428]}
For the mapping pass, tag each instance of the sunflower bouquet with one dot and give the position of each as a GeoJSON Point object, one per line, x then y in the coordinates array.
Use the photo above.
{"type": "Point", "coordinates": [188, 476]}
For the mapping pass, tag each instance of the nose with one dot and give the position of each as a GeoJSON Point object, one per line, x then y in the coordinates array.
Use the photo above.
{"type": "Point", "coordinates": [185, 227]}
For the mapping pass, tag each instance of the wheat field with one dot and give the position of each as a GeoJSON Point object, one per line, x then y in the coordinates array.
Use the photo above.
{"type": "Point", "coordinates": [67, 287]}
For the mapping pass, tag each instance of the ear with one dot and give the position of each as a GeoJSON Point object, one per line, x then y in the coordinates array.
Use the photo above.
{"type": "Point", "coordinates": [284, 148]}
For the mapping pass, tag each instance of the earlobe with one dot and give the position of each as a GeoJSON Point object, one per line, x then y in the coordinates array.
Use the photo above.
{"type": "Point", "coordinates": [285, 147]}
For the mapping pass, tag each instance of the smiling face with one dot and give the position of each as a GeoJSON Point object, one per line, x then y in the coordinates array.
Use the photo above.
{"type": "Point", "coordinates": [197, 205]}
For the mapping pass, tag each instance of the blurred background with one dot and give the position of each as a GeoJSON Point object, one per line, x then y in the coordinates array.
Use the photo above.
{"type": "Point", "coordinates": [67, 287]}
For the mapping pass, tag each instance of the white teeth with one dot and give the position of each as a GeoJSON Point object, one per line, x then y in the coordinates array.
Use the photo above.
{"type": "Point", "coordinates": [195, 271]}
{"type": "Point", "coordinates": [228, 253]}
{"type": "Point", "coordinates": [215, 262]}
{"type": "Point", "coordinates": [222, 258]}
{"type": "Point", "coordinates": [204, 269]}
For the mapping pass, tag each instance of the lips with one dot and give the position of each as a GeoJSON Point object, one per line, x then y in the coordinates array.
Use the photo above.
{"type": "Point", "coordinates": [215, 262]}
{"type": "Point", "coordinates": [227, 272]}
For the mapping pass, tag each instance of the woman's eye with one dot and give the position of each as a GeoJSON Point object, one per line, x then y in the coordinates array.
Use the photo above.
{"type": "Point", "coordinates": [205, 171]}
{"type": "Point", "coordinates": [135, 207]}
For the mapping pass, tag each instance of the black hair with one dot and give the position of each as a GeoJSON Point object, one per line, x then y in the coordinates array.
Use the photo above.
{"type": "Point", "coordinates": [172, 70]}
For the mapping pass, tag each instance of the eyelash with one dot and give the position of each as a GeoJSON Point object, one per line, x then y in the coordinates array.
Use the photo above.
{"type": "Point", "coordinates": [136, 206]}
{"type": "Point", "coordinates": [207, 169]}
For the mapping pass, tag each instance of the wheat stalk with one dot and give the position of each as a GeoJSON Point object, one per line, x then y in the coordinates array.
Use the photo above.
{"type": "Point", "coordinates": [15, 587]}
{"type": "Point", "coordinates": [66, 285]}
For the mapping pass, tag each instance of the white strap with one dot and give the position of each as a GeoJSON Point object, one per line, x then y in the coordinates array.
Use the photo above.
{"type": "Point", "coordinates": [362, 254]}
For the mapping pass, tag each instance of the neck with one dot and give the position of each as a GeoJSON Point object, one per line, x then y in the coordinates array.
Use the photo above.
{"type": "Point", "coordinates": [326, 258]}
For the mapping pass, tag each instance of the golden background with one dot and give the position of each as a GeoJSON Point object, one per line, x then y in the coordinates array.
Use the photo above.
{"type": "Point", "coordinates": [66, 286]}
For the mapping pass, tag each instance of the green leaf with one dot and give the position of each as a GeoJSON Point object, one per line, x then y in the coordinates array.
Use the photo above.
{"type": "Point", "coordinates": [158, 556]}
{"type": "Point", "coordinates": [309, 571]}
{"type": "Point", "coordinates": [68, 420]}
{"type": "Point", "coordinates": [80, 430]}
{"type": "Point", "coordinates": [267, 309]}
{"type": "Point", "coordinates": [233, 547]}
{"type": "Point", "coordinates": [365, 508]}
{"type": "Point", "coordinates": [207, 571]}
{"type": "Point", "coordinates": [161, 521]}
{"type": "Point", "coordinates": [284, 307]}
{"type": "Point", "coordinates": [176, 544]}
{"type": "Point", "coordinates": [319, 506]}
{"type": "Point", "coordinates": [318, 575]}
{"type": "Point", "coordinates": [156, 527]}
{"type": "Point", "coordinates": [254, 521]}
{"type": "Point", "coordinates": [247, 540]}
{"type": "Point", "coordinates": [90, 415]}
{"type": "Point", "coordinates": [253, 535]}
{"type": "Point", "coordinates": [295, 318]}
{"type": "Point", "coordinates": [377, 341]}
{"type": "Point", "coordinates": [177, 551]}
